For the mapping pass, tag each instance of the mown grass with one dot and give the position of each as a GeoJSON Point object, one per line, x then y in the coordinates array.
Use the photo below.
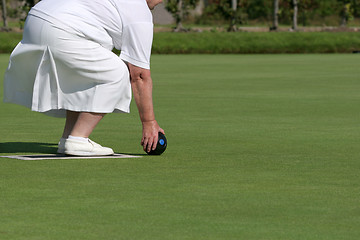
{"type": "Point", "coordinates": [260, 147]}
{"type": "Point", "coordinates": [239, 42]}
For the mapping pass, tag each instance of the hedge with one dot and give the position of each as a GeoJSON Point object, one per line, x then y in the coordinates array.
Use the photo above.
{"type": "Point", "coordinates": [237, 42]}
{"type": "Point", "coordinates": [263, 42]}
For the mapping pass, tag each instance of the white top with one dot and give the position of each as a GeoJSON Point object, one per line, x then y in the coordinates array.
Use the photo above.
{"type": "Point", "coordinates": [124, 24]}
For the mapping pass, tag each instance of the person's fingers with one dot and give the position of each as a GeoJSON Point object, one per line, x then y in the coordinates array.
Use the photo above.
{"type": "Point", "coordinates": [155, 142]}
{"type": "Point", "coordinates": [149, 145]}
{"type": "Point", "coordinates": [142, 141]}
{"type": "Point", "coordinates": [145, 143]}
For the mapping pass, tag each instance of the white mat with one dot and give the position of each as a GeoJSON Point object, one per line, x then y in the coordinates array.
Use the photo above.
{"type": "Point", "coordinates": [61, 157]}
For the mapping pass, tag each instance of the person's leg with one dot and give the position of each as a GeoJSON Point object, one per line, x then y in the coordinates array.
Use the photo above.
{"type": "Point", "coordinates": [78, 127]}
{"type": "Point", "coordinates": [71, 118]}
{"type": "Point", "coordinates": [85, 123]}
{"type": "Point", "coordinates": [81, 124]}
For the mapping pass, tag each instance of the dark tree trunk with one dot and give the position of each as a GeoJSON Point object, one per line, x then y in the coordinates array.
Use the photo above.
{"type": "Point", "coordinates": [4, 14]}
{"type": "Point", "coordinates": [295, 16]}
{"type": "Point", "coordinates": [275, 16]}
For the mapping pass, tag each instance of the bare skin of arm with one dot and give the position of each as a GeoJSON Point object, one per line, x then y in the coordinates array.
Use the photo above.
{"type": "Point", "coordinates": [141, 84]}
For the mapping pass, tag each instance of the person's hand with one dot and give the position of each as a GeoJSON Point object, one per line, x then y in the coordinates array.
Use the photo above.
{"type": "Point", "coordinates": [150, 136]}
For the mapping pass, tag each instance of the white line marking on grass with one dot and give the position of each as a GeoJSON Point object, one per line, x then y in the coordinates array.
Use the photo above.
{"type": "Point", "coordinates": [61, 157]}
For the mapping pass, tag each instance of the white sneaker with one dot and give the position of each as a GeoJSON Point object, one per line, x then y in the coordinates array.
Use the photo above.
{"type": "Point", "coordinates": [61, 146]}
{"type": "Point", "coordinates": [89, 148]}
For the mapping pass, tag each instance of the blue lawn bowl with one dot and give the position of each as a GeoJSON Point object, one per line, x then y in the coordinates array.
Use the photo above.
{"type": "Point", "coordinates": [160, 147]}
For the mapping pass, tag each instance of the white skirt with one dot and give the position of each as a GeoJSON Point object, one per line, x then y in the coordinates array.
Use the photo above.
{"type": "Point", "coordinates": [52, 70]}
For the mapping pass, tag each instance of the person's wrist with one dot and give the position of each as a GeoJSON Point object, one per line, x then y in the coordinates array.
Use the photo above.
{"type": "Point", "coordinates": [145, 122]}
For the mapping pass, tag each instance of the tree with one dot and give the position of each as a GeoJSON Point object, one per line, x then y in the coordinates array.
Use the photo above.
{"type": "Point", "coordinates": [180, 9]}
{"type": "Point", "coordinates": [31, 3]}
{"type": "Point", "coordinates": [257, 9]}
{"type": "Point", "coordinates": [232, 27]}
{"type": "Point", "coordinates": [275, 16]}
{"type": "Point", "coordinates": [295, 14]}
{"type": "Point", "coordinates": [228, 10]}
{"type": "Point", "coordinates": [306, 9]}
{"type": "Point", "coordinates": [355, 4]}
{"type": "Point", "coordinates": [346, 12]}
{"type": "Point", "coordinates": [4, 14]}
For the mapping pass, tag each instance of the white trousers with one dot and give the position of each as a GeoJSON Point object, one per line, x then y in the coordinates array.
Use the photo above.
{"type": "Point", "coordinates": [52, 70]}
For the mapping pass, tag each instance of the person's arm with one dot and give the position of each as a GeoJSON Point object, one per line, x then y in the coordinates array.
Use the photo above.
{"type": "Point", "coordinates": [141, 84]}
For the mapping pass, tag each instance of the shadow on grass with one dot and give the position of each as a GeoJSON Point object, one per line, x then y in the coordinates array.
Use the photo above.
{"type": "Point", "coordinates": [27, 147]}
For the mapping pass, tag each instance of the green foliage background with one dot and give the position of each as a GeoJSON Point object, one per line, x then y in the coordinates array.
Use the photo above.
{"type": "Point", "coordinates": [311, 12]}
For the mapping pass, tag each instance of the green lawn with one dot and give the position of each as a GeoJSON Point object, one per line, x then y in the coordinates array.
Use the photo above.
{"type": "Point", "coordinates": [261, 147]}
